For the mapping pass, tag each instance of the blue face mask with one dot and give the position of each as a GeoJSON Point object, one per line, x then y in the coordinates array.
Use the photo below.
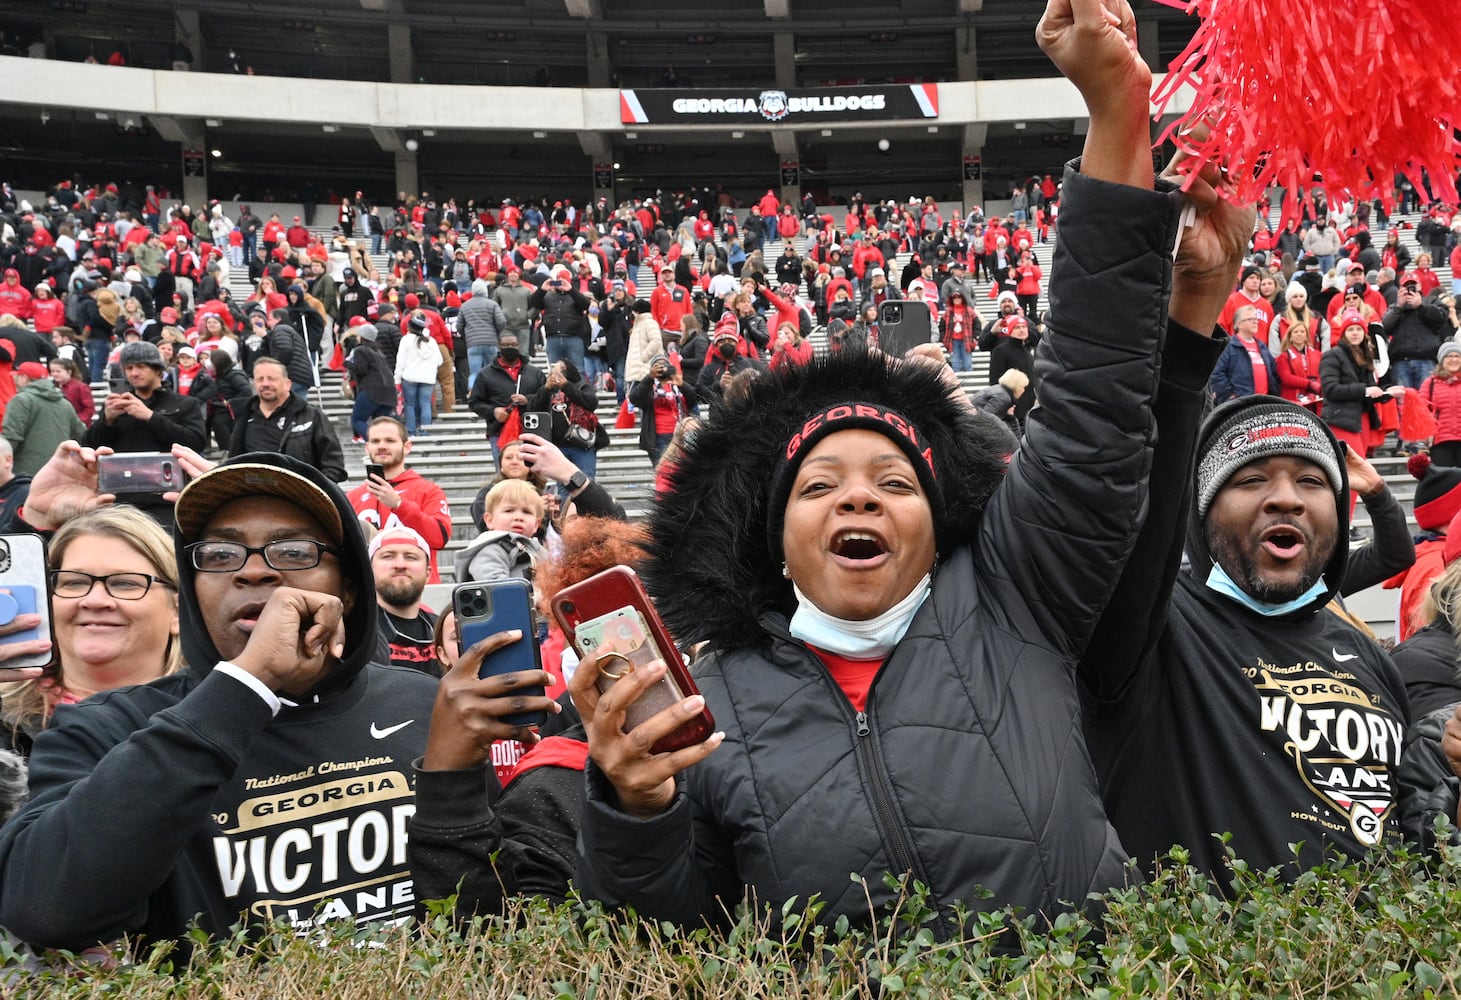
{"type": "Point", "coordinates": [873, 639]}
{"type": "Point", "coordinates": [1219, 581]}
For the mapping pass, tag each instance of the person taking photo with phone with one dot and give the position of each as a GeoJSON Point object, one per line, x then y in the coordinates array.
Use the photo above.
{"type": "Point", "coordinates": [898, 619]}
{"type": "Point", "coordinates": [147, 417]}
{"type": "Point", "coordinates": [112, 580]}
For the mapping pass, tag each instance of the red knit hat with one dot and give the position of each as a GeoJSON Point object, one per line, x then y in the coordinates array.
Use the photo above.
{"type": "Point", "coordinates": [1437, 495]}
{"type": "Point", "coordinates": [1351, 317]}
{"type": "Point", "coordinates": [413, 301]}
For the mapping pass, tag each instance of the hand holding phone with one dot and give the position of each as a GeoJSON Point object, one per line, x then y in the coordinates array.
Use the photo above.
{"type": "Point", "coordinates": [646, 720]}
{"type": "Point", "coordinates": [143, 475]}
{"type": "Point", "coordinates": [25, 610]}
{"type": "Point", "coordinates": [485, 609]}
{"type": "Point", "coordinates": [472, 707]}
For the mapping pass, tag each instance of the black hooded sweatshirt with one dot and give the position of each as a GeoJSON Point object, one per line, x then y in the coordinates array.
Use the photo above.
{"type": "Point", "coordinates": [183, 797]}
{"type": "Point", "coordinates": [1203, 716]}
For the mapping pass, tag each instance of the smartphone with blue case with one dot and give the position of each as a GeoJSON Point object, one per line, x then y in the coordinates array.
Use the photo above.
{"type": "Point", "coordinates": [484, 609]}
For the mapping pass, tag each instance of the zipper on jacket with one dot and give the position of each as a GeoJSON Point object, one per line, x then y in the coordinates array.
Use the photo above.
{"type": "Point", "coordinates": [884, 813]}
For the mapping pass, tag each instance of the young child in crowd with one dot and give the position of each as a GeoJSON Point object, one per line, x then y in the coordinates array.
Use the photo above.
{"type": "Point", "coordinates": [508, 548]}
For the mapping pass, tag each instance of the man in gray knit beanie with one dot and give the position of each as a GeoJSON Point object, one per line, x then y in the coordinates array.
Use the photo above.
{"type": "Point", "coordinates": [1228, 699]}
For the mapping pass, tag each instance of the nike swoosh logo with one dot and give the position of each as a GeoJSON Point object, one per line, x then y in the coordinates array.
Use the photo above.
{"type": "Point", "coordinates": [1342, 657]}
{"type": "Point", "coordinates": [381, 734]}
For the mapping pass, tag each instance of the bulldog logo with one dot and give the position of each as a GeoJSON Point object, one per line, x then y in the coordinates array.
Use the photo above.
{"type": "Point", "coordinates": [773, 105]}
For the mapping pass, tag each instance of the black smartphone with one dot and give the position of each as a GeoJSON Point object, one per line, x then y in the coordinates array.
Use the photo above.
{"type": "Point", "coordinates": [484, 609]}
{"type": "Point", "coordinates": [538, 422]}
{"type": "Point", "coordinates": [378, 471]}
{"type": "Point", "coordinates": [139, 474]}
{"type": "Point", "coordinates": [902, 324]}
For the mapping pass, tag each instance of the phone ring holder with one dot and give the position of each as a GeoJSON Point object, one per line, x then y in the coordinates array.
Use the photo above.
{"type": "Point", "coordinates": [8, 608]}
{"type": "Point", "coordinates": [628, 667]}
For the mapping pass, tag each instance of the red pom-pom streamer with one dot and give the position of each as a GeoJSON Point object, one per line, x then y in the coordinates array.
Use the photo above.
{"type": "Point", "coordinates": [1355, 93]}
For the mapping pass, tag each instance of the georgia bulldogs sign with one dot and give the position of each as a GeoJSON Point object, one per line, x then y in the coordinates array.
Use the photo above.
{"type": "Point", "coordinates": [735, 107]}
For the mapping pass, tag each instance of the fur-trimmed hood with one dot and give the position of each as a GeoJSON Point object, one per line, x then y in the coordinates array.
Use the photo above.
{"type": "Point", "coordinates": [710, 568]}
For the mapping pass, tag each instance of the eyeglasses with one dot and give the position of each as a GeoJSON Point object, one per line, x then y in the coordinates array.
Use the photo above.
{"type": "Point", "coordinates": [72, 584]}
{"type": "Point", "coordinates": [285, 555]}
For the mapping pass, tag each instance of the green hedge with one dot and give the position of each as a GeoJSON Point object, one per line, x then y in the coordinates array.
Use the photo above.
{"type": "Point", "coordinates": [1390, 927]}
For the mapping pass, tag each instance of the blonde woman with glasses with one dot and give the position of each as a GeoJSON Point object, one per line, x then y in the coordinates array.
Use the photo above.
{"type": "Point", "coordinates": [114, 602]}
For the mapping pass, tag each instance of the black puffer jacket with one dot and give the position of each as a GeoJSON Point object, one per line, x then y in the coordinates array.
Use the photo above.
{"type": "Point", "coordinates": [1428, 786]}
{"type": "Point", "coordinates": [1343, 384]}
{"type": "Point", "coordinates": [1427, 663]}
{"type": "Point", "coordinates": [968, 767]}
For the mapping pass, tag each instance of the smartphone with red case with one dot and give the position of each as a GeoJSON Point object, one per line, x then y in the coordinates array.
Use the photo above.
{"type": "Point", "coordinates": [611, 608]}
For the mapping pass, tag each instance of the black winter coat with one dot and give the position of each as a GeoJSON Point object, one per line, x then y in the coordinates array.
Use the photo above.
{"type": "Point", "coordinates": [284, 343]}
{"type": "Point", "coordinates": [373, 375]}
{"type": "Point", "coordinates": [641, 394]}
{"type": "Point", "coordinates": [495, 387]}
{"type": "Point", "coordinates": [968, 767]}
{"type": "Point", "coordinates": [1343, 384]}
{"type": "Point", "coordinates": [296, 429]}
{"type": "Point", "coordinates": [1428, 664]}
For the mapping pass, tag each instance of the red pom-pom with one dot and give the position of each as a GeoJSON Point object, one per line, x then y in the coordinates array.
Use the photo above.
{"type": "Point", "coordinates": [1418, 463]}
{"type": "Point", "coordinates": [1295, 88]}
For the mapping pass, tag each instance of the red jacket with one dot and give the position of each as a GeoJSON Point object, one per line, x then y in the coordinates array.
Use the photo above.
{"type": "Point", "coordinates": [787, 311]}
{"type": "Point", "coordinates": [437, 327]}
{"type": "Point", "coordinates": [669, 305]}
{"type": "Point", "coordinates": [837, 283]}
{"type": "Point", "coordinates": [787, 225]}
{"type": "Point", "coordinates": [14, 297]}
{"type": "Point", "coordinates": [78, 394]}
{"type": "Point", "coordinates": [770, 205]}
{"type": "Point", "coordinates": [1298, 371]}
{"type": "Point", "coordinates": [1029, 279]}
{"type": "Point", "coordinates": [48, 314]}
{"type": "Point", "coordinates": [798, 355]}
{"type": "Point", "coordinates": [1429, 280]}
{"type": "Point", "coordinates": [991, 238]}
{"type": "Point", "coordinates": [1444, 396]}
{"type": "Point", "coordinates": [424, 508]}
{"type": "Point", "coordinates": [865, 256]}
{"type": "Point", "coordinates": [1415, 583]}
{"type": "Point", "coordinates": [273, 231]}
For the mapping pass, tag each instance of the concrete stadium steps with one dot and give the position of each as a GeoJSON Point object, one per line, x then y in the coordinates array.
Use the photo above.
{"type": "Point", "coordinates": [457, 456]}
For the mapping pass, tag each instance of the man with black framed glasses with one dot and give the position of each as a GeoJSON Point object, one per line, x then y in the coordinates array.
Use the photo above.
{"type": "Point", "coordinates": [269, 779]}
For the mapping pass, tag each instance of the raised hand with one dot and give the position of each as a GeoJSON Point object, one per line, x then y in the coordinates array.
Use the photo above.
{"type": "Point", "coordinates": [1093, 43]}
{"type": "Point", "coordinates": [65, 487]}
